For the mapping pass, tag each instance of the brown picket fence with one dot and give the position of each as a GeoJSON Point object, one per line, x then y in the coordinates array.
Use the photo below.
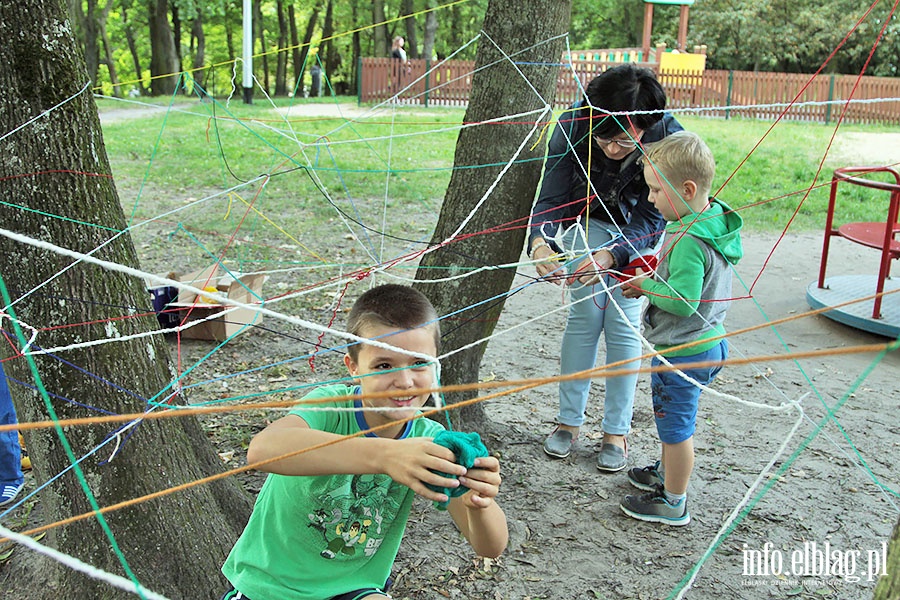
{"type": "Point", "coordinates": [725, 94]}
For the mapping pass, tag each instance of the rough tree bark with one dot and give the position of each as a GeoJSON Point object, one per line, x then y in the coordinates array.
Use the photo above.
{"type": "Point", "coordinates": [163, 57]}
{"type": "Point", "coordinates": [379, 31]}
{"type": "Point", "coordinates": [281, 62]}
{"type": "Point", "coordinates": [431, 25]}
{"type": "Point", "coordinates": [198, 35]}
{"type": "Point", "coordinates": [518, 29]}
{"type": "Point", "coordinates": [57, 173]}
{"type": "Point", "coordinates": [412, 36]}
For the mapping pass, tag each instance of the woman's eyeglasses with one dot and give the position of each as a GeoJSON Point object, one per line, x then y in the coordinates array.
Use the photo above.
{"type": "Point", "coordinates": [621, 143]}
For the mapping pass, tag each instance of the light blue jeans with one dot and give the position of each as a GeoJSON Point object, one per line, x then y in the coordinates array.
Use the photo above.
{"type": "Point", "coordinates": [589, 317]}
{"type": "Point", "coordinates": [10, 451]}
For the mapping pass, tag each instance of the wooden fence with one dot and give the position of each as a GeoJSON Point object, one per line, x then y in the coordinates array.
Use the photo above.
{"type": "Point", "coordinates": [718, 93]}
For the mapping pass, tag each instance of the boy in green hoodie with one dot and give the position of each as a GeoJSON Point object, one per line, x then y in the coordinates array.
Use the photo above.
{"type": "Point", "coordinates": [688, 298]}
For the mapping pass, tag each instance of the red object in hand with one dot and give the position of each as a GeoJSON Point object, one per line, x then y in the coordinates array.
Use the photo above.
{"type": "Point", "coordinates": [646, 263]}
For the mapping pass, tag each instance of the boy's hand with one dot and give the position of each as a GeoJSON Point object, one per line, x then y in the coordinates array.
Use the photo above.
{"type": "Point", "coordinates": [413, 461]}
{"type": "Point", "coordinates": [632, 287]}
{"type": "Point", "coordinates": [483, 481]}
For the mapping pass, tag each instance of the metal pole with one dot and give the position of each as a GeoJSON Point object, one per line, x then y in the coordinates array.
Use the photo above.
{"type": "Point", "coordinates": [248, 52]}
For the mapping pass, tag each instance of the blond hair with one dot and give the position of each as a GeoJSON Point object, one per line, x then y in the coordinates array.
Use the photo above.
{"type": "Point", "coordinates": [680, 157]}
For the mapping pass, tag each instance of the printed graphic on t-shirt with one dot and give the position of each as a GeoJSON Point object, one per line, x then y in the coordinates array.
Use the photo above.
{"type": "Point", "coordinates": [355, 517]}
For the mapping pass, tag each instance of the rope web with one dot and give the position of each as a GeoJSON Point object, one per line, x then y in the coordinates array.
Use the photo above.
{"type": "Point", "coordinates": [325, 209]}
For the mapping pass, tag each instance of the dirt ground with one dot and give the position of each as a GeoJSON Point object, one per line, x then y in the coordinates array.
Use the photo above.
{"type": "Point", "coordinates": [769, 481]}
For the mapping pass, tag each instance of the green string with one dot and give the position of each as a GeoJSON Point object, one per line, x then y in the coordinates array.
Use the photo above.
{"type": "Point", "coordinates": [39, 385]}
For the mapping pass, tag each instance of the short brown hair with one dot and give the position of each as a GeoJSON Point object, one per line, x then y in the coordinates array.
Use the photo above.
{"type": "Point", "coordinates": [683, 156]}
{"type": "Point", "coordinates": [392, 305]}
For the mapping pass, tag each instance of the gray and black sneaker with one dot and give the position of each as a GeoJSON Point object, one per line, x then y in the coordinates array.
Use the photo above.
{"type": "Point", "coordinates": [646, 478]}
{"type": "Point", "coordinates": [654, 507]}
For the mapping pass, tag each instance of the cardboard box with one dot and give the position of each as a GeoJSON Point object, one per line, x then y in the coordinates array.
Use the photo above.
{"type": "Point", "coordinates": [174, 305]}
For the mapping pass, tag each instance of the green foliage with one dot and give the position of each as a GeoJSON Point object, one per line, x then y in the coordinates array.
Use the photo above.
{"type": "Point", "coordinates": [768, 35]}
{"type": "Point", "coordinates": [792, 36]}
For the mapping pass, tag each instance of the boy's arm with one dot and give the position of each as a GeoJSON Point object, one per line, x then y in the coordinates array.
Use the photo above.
{"type": "Point", "coordinates": [477, 514]}
{"type": "Point", "coordinates": [680, 294]}
{"type": "Point", "coordinates": [410, 461]}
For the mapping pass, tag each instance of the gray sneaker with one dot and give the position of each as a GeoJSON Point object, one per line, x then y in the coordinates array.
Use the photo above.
{"type": "Point", "coordinates": [645, 478]}
{"type": "Point", "coordinates": [612, 458]}
{"type": "Point", "coordinates": [559, 443]}
{"type": "Point", "coordinates": [654, 507]}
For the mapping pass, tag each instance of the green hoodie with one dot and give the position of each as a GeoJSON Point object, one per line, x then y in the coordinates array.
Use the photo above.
{"type": "Point", "coordinates": [691, 292]}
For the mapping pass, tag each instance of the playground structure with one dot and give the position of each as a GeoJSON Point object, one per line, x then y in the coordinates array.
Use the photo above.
{"type": "Point", "coordinates": [866, 302]}
{"type": "Point", "coordinates": [682, 22]}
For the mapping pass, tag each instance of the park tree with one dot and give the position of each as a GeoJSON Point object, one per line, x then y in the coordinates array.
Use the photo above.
{"type": "Point", "coordinates": [55, 174]}
{"type": "Point", "coordinates": [163, 54]}
{"type": "Point", "coordinates": [485, 209]}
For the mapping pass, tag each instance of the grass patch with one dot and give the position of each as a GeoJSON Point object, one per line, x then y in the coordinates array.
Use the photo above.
{"type": "Point", "coordinates": [286, 182]}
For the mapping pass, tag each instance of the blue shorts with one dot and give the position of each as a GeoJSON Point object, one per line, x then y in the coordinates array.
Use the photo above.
{"type": "Point", "coordinates": [675, 400]}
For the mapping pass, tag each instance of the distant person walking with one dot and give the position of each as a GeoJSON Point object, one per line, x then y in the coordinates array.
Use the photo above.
{"type": "Point", "coordinates": [400, 64]}
{"type": "Point", "coordinates": [397, 50]}
{"type": "Point", "coordinates": [315, 73]}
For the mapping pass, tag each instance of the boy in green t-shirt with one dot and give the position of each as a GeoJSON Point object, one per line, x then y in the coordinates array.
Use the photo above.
{"type": "Point", "coordinates": [328, 521]}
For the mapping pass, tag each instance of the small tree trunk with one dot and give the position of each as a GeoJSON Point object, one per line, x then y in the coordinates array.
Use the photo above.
{"type": "Point", "coordinates": [197, 70]}
{"type": "Point", "coordinates": [412, 34]}
{"type": "Point", "coordinates": [330, 56]}
{"type": "Point", "coordinates": [263, 47]}
{"type": "Point", "coordinates": [301, 55]}
{"type": "Point", "coordinates": [431, 25]}
{"type": "Point", "coordinates": [163, 59]}
{"type": "Point", "coordinates": [281, 64]}
{"type": "Point", "coordinates": [382, 43]}
{"type": "Point", "coordinates": [496, 92]}
{"type": "Point", "coordinates": [132, 49]}
{"type": "Point", "coordinates": [109, 61]}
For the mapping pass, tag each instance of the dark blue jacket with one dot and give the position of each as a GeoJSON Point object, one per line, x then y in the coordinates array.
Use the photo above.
{"type": "Point", "coordinates": [619, 184]}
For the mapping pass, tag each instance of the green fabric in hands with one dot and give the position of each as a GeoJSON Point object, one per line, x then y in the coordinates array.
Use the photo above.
{"type": "Point", "coordinates": [467, 447]}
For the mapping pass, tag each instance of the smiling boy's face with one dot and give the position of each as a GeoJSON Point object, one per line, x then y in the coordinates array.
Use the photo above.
{"type": "Point", "coordinates": [382, 370]}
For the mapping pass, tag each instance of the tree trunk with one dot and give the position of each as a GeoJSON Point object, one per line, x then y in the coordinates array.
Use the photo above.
{"type": "Point", "coordinates": [108, 59]}
{"type": "Point", "coordinates": [229, 32]}
{"type": "Point", "coordinates": [331, 58]}
{"type": "Point", "coordinates": [259, 25]}
{"type": "Point", "coordinates": [281, 65]}
{"type": "Point", "coordinates": [176, 34]}
{"type": "Point", "coordinates": [888, 587]}
{"type": "Point", "coordinates": [197, 69]}
{"type": "Point", "coordinates": [163, 59]}
{"type": "Point", "coordinates": [382, 43]}
{"type": "Point", "coordinates": [58, 166]}
{"type": "Point", "coordinates": [357, 50]}
{"type": "Point", "coordinates": [431, 25]}
{"type": "Point", "coordinates": [132, 48]}
{"type": "Point", "coordinates": [496, 92]}
{"type": "Point", "coordinates": [412, 36]}
{"type": "Point", "coordinates": [301, 56]}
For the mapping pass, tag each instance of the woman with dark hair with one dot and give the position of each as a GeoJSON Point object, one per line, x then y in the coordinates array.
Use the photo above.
{"type": "Point", "coordinates": [593, 210]}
